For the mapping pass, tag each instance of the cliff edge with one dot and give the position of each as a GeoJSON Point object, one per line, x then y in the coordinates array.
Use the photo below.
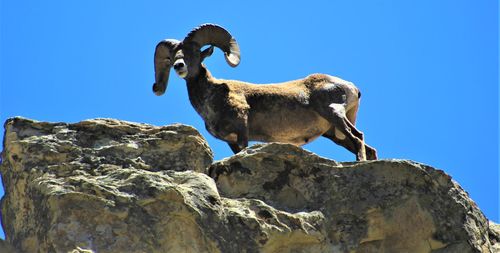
{"type": "Point", "coordinates": [106, 185]}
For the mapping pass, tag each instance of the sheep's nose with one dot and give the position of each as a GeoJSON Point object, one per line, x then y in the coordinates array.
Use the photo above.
{"type": "Point", "coordinates": [178, 65]}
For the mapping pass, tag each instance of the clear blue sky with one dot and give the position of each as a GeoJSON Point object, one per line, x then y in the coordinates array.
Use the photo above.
{"type": "Point", "coordinates": [428, 70]}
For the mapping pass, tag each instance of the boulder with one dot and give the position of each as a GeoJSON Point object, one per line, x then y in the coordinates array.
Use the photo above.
{"type": "Point", "coordinates": [374, 206]}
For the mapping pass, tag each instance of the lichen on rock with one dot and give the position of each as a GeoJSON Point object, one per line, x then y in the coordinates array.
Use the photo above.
{"type": "Point", "coordinates": [106, 185]}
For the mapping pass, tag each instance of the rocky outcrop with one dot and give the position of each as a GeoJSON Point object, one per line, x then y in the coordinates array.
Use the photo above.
{"type": "Point", "coordinates": [112, 186]}
{"type": "Point", "coordinates": [494, 230]}
{"type": "Point", "coordinates": [376, 206]}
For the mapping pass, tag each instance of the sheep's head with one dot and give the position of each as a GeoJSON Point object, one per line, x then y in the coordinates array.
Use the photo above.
{"type": "Point", "coordinates": [186, 56]}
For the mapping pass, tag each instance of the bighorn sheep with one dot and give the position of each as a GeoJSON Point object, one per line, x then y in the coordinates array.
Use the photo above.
{"type": "Point", "coordinates": [295, 112]}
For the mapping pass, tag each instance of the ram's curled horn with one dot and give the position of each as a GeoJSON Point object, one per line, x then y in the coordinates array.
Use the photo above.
{"type": "Point", "coordinates": [163, 61]}
{"type": "Point", "coordinates": [210, 34]}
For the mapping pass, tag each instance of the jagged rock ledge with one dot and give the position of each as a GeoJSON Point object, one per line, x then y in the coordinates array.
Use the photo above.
{"type": "Point", "coordinates": [113, 186]}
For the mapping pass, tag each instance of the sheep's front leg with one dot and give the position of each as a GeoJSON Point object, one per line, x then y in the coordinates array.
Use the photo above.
{"type": "Point", "coordinates": [234, 147]}
{"type": "Point", "coordinates": [241, 136]}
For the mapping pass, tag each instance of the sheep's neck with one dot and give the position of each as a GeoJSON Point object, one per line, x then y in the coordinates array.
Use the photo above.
{"type": "Point", "coordinates": [198, 89]}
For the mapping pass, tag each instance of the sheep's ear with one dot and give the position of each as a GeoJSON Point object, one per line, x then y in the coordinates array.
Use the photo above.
{"type": "Point", "coordinates": [207, 52]}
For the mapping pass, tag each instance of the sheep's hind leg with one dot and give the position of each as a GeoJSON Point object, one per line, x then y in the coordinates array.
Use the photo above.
{"type": "Point", "coordinates": [371, 153]}
{"type": "Point", "coordinates": [343, 132]}
{"type": "Point", "coordinates": [330, 134]}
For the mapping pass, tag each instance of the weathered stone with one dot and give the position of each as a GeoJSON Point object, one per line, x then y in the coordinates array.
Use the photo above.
{"type": "Point", "coordinates": [6, 248]}
{"type": "Point", "coordinates": [495, 236]}
{"type": "Point", "coordinates": [377, 206]}
{"type": "Point", "coordinates": [113, 186]}
{"type": "Point", "coordinates": [77, 184]}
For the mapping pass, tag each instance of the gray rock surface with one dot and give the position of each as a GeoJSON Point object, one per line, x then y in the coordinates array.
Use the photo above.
{"type": "Point", "coordinates": [495, 236]}
{"type": "Point", "coordinates": [375, 206]}
{"type": "Point", "coordinates": [105, 185]}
